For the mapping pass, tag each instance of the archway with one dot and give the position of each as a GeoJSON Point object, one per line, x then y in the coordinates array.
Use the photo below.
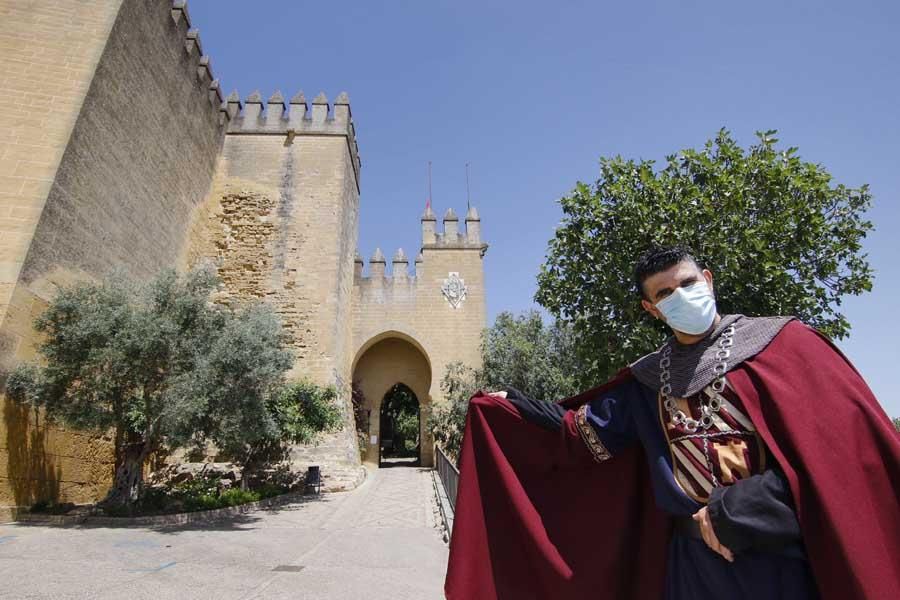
{"type": "Point", "coordinates": [399, 423]}
{"type": "Point", "coordinates": [383, 369]}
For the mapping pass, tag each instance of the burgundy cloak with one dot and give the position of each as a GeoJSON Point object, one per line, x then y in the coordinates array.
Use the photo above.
{"type": "Point", "coordinates": [537, 517]}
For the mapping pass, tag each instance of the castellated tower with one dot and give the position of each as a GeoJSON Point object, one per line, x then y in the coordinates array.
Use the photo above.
{"type": "Point", "coordinates": [410, 324]}
{"type": "Point", "coordinates": [281, 221]}
{"type": "Point", "coordinates": [121, 152]}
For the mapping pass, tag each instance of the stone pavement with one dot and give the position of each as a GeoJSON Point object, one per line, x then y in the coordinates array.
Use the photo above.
{"type": "Point", "coordinates": [379, 541]}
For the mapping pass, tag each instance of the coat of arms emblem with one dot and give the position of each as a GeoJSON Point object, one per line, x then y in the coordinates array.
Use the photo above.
{"type": "Point", "coordinates": [454, 289]}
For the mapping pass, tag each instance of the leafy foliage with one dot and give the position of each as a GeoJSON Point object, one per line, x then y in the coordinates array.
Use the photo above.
{"type": "Point", "coordinates": [777, 235]}
{"type": "Point", "coordinates": [293, 413]}
{"type": "Point", "coordinates": [163, 366]}
{"type": "Point", "coordinates": [447, 420]}
{"type": "Point", "coordinates": [897, 424]}
{"type": "Point", "coordinates": [400, 413]}
{"type": "Point", "coordinates": [519, 351]}
{"type": "Point", "coordinates": [523, 352]}
{"type": "Point", "coordinates": [406, 425]}
{"type": "Point", "coordinates": [360, 418]}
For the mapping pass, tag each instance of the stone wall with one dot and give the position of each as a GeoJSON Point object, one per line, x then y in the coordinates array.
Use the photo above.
{"type": "Point", "coordinates": [281, 225]}
{"type": "Point", "coordinates": [132, 166]}
{"type": "Point", "coordinates": [412, 306]}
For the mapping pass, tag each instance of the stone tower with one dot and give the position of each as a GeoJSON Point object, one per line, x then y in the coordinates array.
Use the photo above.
{"type": "Point", "coordinates": [407, 327]}
{"type": "Point", "coordinates": [119, 151]}
{"type": "Point", "coordinates": [281, 222]}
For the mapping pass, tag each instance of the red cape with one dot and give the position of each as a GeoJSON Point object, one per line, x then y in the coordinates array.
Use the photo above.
{"type": "Point", "coordinates": [537, 517]}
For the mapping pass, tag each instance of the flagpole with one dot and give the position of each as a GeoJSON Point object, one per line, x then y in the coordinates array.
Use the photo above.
{"type": "Point", "coordinates": [428, 201]}
{"type": "Point", "coordinates": [468, 197]}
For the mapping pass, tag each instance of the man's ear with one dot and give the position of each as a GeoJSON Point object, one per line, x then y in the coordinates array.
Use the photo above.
{"type": "Point", "coordinates": [651, 308]}
{"type": "Point", "coordinates": [708, 276]}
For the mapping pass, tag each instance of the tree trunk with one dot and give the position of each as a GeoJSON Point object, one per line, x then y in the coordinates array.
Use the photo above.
{"type": "Point", "coordinates": [129, 475]}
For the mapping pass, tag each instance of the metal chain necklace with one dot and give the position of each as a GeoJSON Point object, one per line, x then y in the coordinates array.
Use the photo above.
{"type": "Point", "coordinates": [708, 409]}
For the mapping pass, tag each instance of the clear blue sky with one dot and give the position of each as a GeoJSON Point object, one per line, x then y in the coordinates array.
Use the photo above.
{"type": "Point", "coordinates": [532, 94]}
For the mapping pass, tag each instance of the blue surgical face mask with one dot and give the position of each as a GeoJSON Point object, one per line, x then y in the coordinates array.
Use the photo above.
{"type": "Point", "coordinates": [690, 310]}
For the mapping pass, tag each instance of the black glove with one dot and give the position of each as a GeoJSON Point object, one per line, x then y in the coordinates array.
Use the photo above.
{"type": "Point", "coordinates": [548, 415]}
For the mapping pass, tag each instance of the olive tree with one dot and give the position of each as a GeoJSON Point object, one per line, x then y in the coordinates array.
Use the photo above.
{"type": "Point", "coordinates": [158, 363]}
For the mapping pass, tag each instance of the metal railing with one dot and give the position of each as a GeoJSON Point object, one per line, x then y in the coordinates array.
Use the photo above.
{"type": "Point", "coordinates": [448, 474]}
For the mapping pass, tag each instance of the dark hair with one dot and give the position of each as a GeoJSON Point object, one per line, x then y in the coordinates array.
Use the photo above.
{"type": "Point", "coordinates": [658, 259]}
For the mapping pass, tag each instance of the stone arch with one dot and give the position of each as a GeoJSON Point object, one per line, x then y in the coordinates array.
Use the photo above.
{"type": "Point", "coordinates": [383, 361]}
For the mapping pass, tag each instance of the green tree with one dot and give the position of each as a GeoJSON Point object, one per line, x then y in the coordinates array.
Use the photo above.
{"type": "Point", "coordinates": [779, 237]}
{"type": "Point", "coordinates": [401, 408]}
{"type": "Point", "coordinates": [519, 351]}
{"type": "Point", "coordinates": [535, 358]}
{"type": "Point", "coordinates": [157, 362]}
{"type": "Point", "coordinates": [360, 417]}
{"type": "Point", "coordinates": [897, 424]}
{"type": "Point", "coordinates": [258, 428]}
{"type": "Point", "coordinates": [447, 420]}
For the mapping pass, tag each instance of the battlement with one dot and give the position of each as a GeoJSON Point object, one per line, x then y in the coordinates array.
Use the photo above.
{"type": "Point", "coordinates": [400, 274]}
{"type": "Point", "coordinates": [274, 117]}
{"type": "Point", "coordinates": [451, 238]}
{"type": "Point", "coordinates": [198, 63]}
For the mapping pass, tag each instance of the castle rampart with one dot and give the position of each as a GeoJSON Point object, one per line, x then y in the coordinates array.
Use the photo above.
{"type": "Point", "coordinates": [118, 150]}
{"type": "Point", "coordinates": [113, 162]}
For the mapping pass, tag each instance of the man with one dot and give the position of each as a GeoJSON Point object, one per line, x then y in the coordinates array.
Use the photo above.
{"type": "Point", "coordinates": [746, 458]}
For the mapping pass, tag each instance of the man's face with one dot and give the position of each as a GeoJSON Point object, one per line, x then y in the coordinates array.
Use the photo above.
{"type": "Point", "coordinates": [660, 285]}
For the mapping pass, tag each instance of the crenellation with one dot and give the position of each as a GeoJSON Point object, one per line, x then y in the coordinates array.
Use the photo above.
{"type": "Point", "coordinates": [420, 260]}
{"type": "Point", "coordinates": [180, 12]}
{"type": "Point", "coordinates": [429, 226]}
{"type": "Point", "coordinates": [376, 266]}
{"type": "Point", "coordinates": [252, 111]}
{"type": "Point", "coordinates": [473, 226]}
{"type": "Point", "coordinates": [215, 94]}
{"type": "Point", "coordinates": [192, 41]}
{"type": "Point", "coordinates": [233, 105]}
{"type": "Point", "coordinates": [451, 228]}
{"type": "Point", "coordinates": [400, 266]}
{"type": "Point", "coordinates": [204, 70]}
{"type": "Point", "coordinates": [275, 111]}
{"type": "Point", "coordinates": [296, 120]}
{"type": "Point", "coordinates": [297, 114]}
{"type": "Point", "coordinates": [342, 111]}
{"type": "Point", "coordinates": [319, 109]}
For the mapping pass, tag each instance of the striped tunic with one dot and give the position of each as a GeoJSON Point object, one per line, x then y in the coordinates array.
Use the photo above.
{"type": "Point", "coordinates": [728, 451]}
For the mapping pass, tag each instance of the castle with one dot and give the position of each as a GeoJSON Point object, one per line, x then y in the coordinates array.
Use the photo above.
{"type": "Point", "coordinates": [118, 149]}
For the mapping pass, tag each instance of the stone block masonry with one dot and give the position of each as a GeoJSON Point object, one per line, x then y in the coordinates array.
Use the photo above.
{"type": "Point", "coordinates": [110, 143]}
{"type": "Point", "coordinates": [117, 150]}
{"type": "Point", "coordinates": [281, 223]}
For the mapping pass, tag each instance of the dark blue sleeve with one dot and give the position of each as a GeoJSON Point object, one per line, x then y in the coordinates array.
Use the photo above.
{"type": "Point", "coordinates": [757, 512]}
{"type": "Point", "coordinates": [605, 423]}
{"type": "Point", "coordinates": [609, 417]}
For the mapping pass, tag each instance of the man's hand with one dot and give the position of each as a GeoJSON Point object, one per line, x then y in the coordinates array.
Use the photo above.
{"type": "Point", "coordinates": [502, 394]}
{"type": "Point", "coordinates": [709, 536]}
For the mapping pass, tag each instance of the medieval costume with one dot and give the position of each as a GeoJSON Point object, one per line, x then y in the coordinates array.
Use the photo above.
{"type": "Point", "coordinates": [764, 421]}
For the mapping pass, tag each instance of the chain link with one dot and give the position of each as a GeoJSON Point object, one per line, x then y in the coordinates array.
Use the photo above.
{"type": "Point", "coordinates": [676, 416]}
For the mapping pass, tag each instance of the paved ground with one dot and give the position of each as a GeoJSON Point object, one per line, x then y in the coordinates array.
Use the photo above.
{"type": "Point", "coordinates": [379, 541]}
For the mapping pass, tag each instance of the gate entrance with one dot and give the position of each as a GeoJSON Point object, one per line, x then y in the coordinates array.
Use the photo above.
{"type": "Point", "coordinates": [393, 375]}
{"type": "Point", "coordinates": [400, 424]}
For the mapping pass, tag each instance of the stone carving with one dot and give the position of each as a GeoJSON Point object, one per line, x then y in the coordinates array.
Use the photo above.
{"type": "Point", "coordinates": [454, 289]}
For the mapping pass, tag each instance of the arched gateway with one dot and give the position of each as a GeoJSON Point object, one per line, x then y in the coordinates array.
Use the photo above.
{"type": "Point", "coordinates": [386, 366]}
